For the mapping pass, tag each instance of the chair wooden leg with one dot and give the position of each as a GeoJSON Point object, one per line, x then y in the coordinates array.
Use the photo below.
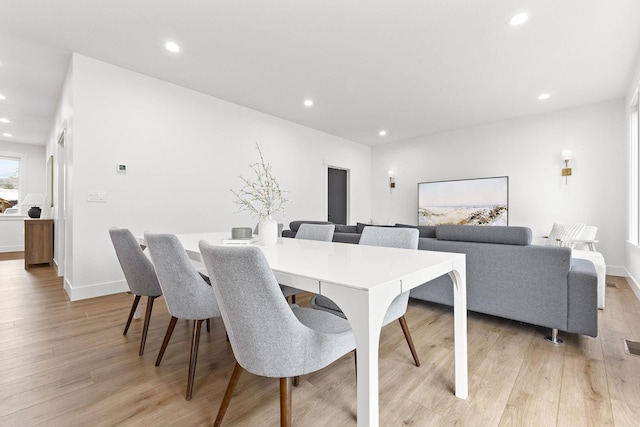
{"type": "Point", "coordinates": [145, 328]}
{"type": "Point", "coordinates": [233, 381]}
{"type": "Point", "coordinates": [293, 299]}
{"type": "Point", "coordinates": [296, 381]}
{"type": "Point", "coordinates": [136, 300]}
{"type": "Point", "coordinates": [195, 342]}
{"type": "Point", "coordinates": [407, 335]}
{"type": "Point", "coordinates": [285, 402]}
{"type": "Point", "coordinates": [167, 337]}
{"type": "Point", "coordinates": [208, 325]}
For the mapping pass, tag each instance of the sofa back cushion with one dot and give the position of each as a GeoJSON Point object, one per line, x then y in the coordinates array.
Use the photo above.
{"type": "Point", "coordinates": [425, 230]}
{"type": "Point", "coordinates": [294, 225]}
{"type": "Point", "coordinates": [346, 228]}
{"type": "Point", "coordinates": [520, 236]}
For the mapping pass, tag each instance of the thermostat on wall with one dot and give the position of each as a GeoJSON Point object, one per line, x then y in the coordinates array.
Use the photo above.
{"type": "Point", "coordinates": [121, 168]}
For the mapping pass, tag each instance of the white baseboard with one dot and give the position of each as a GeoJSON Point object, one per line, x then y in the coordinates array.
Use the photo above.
{"type": "Point", "coordinates": [17, 248]}
{"type": "Point", "coordinates": [633, 284]}
{"type": "Point", "coordinates": [614, 270]}
{"type": "Point", "coordinates": [93, 291]}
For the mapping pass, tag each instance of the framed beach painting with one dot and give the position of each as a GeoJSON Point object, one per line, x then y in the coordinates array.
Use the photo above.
{"type": "Point", "coordinates": [479, 201]}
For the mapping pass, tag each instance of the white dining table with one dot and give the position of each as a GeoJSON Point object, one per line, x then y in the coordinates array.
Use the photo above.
{"type": "Point", "coordinates": [363, 281]}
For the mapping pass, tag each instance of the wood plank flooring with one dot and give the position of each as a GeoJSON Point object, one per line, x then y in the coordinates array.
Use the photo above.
{"type": "Point", "coordinates": [67, 364]}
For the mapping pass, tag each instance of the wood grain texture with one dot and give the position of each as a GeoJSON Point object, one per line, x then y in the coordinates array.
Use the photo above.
{"type": "Point", "coordinates": [67, 364]}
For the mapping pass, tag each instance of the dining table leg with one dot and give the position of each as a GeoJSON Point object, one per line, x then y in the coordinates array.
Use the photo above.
{"type": "Point", "coordinates": [365, 311]}
{"type": "Point", "coordinates": [459, 278]}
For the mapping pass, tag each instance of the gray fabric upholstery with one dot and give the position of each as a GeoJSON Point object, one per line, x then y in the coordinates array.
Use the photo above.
{"type": "Point", "coordinates": [137, 268]}
{"type": "Point", "coordinates": [531, 284]}
{"type": "Point", "coordinates": [346, 228]}
{"type": "Point", "coordinates": [583, 292]}
{"type": "Point", "coordinates": [484, 234]}
{"type": "Point", "coordinates": [295, 225]}
{"type": "Point", "coordinates": [266, 336]}
{"type": "Point", "coordinates": [322, 232]}
{"type": "Point", "coordinates": [406, 238]}
{"type": "Point", "coordinates": [306, 231]}
{"type": "Point", "coordinates": [186, 293]}
{"type": "Point", "coordinates": [425, 230]}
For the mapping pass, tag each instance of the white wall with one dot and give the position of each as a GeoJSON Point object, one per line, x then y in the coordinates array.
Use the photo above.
{"type": "Point", "coordinates": [632, 252]}
{"type": "Point", "coordinates": [184, 151]}
{"type": "Point", "coordinates": [528, 151]}
{"type": "Point", "coordinates": [12, 229]}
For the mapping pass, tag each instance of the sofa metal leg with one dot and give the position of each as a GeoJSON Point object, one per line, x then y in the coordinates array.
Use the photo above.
{"type": "Point", "coordinates": [554, 337]}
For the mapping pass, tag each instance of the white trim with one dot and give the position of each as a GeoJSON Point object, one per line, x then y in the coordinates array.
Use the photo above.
{"type": "Point", "coordinates": [19, 248]}
{"type": "Point", "coordinates": [96, 290]}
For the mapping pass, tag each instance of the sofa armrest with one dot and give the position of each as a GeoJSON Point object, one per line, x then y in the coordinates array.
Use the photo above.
{"type": "Point", "coordinates": [582, 281]}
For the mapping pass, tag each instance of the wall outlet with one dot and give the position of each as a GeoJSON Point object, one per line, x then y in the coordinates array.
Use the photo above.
{"type": "Point", "coordinates": [96, 196]}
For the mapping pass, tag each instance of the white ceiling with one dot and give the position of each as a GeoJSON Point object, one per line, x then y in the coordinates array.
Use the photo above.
{"type": "Point", "coordinates": [411, 67]}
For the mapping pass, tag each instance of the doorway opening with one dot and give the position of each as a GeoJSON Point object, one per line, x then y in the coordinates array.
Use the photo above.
{"type": "Point", "coordinates": [337, 188]}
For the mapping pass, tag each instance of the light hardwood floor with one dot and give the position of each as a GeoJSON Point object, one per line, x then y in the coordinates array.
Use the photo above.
{"type": "Point", "coordinates": [67, 364]}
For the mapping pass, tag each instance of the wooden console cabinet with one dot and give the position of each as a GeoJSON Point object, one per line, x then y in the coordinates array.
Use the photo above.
{"type": "Point", "coordinates": [38, 242]}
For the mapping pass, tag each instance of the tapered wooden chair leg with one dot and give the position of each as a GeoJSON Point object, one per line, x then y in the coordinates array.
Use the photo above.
{"type": "Point", "coordinates": [233, 381]}
{"type": "Point", "coordinates": [407, 335]}
{"type": "Point", "coordinates": [208, 325]}
{"type": "Point", "coordinates": [296, 381]}
{"type": "Point", "coordinates": [285, 402]}
{"type": "Point", "coordinates": [167, 337]}
{"type": "Point", "coordinates": [195, 341]}
{"type": "Point", "coordinates": [136, 300]}
{"type": "Point", "coordinates": [145, 328]}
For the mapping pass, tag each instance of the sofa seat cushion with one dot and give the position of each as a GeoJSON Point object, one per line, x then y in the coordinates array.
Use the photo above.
{"type": "Point", "coordinates": [504, 235]}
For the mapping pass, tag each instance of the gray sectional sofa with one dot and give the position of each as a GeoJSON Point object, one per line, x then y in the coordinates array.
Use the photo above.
{"type": "Point", "coordinates": [507, 276]}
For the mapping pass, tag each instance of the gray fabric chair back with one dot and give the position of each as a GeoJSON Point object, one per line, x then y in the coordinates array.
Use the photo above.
{"type": "Point", "coordinates": [186, 293]}
{"type": "Point", "coordinates": [322, 232]}
{"type": "Point", "coordinates": [406, 238]}
{"type": "Point", "coordinates": [266, 337]}
{"type": "Point", "coordinates": [138, 269]}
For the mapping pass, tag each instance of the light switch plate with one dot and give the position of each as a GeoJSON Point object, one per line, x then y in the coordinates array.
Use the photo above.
{"type": "Point", "coordinates": [96, 196]}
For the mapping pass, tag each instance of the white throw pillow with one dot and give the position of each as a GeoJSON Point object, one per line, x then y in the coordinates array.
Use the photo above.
{"type": "Point", "coordinates": [563, 234]}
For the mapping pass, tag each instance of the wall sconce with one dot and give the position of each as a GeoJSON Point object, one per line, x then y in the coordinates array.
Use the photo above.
{"type": "Point", "coordinates": [566, 171]}
{"type": "Point", "coordinates": [392, 181]}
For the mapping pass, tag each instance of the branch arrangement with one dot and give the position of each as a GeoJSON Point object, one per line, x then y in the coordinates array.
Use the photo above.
{"type": "Point", "coordinates": [261, 196]}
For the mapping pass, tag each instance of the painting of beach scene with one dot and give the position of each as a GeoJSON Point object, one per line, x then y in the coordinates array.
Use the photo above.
{"type": "Point", "coordinates": [481, 201]}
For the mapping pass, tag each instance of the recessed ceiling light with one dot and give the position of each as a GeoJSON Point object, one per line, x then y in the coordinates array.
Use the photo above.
{"type": "Point", "coordinates": [8, 135]}
{"type": "Point", "coordinates": [172, 47]}
{"type": "Point", "coordinates": [518, 19]}
{"type": "Point", "coordinates": [308, 102]}
{"type": "Point", "coordinates": [382, 133]}
{"type": "Point", "coordinates": [543, 96]}
{"type": "Point", "coordinates": [2, 97]}
{"type": "Point", "coordinates": [4, 120]}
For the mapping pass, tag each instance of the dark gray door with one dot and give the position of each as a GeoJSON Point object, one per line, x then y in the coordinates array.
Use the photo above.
{"type": "Point", "coordinates": [337, 196]}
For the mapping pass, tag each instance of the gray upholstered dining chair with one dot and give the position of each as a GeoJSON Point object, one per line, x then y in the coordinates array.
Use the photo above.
{"type": "Point", "coordinates": [321, 232]}
{"type": "Point", "coordinates": [187, 294]}
{"type": "Point", "coordinates": [406, 238]}
{"type": "Point", "coordinates": [268, 337]}
{"type": "Point", "coordinates": [140, 275]}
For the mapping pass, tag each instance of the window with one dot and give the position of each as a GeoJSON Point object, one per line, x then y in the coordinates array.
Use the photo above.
{"type": "Point", "coordinates": [634, 175]}
{"type": "Point", "coordinates": [9, 182]}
